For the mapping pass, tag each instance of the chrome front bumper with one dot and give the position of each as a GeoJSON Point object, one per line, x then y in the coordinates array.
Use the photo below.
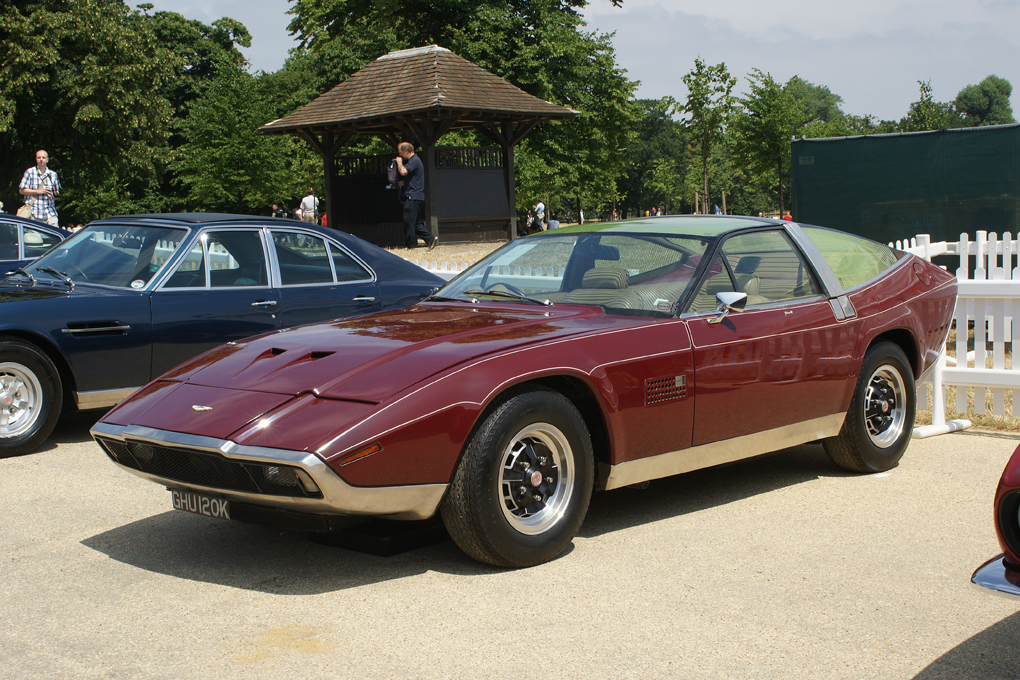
{"type": "Point", "coordinates": [995, 576]}
{"type": "Point", "coordinates": [338, 497]}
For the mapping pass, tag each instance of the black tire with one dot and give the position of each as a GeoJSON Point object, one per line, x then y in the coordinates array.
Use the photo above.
{"type": "Point", "coordinates": [30, 397]}
{"type": "Point", "coordinates": [523, 485]}
{"type": "Point", "coordinates": [880, 420]}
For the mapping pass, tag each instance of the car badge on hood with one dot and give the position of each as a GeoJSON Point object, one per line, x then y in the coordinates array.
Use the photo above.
{"type": "Point", "coordinates": [201, 408]}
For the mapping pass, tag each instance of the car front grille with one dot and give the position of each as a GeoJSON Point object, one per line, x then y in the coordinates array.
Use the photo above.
{"type": "Point", "coordinates": [190, 466]}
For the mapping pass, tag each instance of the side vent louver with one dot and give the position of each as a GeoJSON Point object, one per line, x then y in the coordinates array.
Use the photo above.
{"type": "Point", "coordinates": [659, 390]}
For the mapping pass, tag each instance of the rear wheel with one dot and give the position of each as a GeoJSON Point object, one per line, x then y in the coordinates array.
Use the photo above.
{"type": "Point", "coordinates": [522, 488]}
{"type": "Point", "coordinates": [880, 419]}
{"type": "Point", "coordinates": [30, 397]}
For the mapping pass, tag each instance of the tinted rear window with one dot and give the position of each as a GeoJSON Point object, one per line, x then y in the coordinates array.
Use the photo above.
{"type": "Point", "coordinates": [853, 259]}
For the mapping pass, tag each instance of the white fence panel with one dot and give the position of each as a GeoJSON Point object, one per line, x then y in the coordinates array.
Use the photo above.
{"type": "Point", "coordinates": [987, 295]}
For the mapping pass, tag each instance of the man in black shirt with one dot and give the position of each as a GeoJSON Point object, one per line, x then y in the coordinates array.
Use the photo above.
{"type": "Point", "coordinates": [410, 168]}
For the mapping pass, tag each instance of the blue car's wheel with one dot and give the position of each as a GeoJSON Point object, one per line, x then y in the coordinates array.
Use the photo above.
{"type": "Point", "coordinates": [30, 397]}
{"type": "Point", "coordinates": [522, 487]}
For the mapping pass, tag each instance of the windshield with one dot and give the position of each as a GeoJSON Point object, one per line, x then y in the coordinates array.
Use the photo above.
{"type": "Point", "coordinates": [125, 256]}
{"type": "Point", "coordinates": [637, 274]}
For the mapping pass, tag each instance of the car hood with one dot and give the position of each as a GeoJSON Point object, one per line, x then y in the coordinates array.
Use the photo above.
{"type": "Point", "coordinates": [371, 357]}
{"type": "Point", "coordinates": [21, 292]}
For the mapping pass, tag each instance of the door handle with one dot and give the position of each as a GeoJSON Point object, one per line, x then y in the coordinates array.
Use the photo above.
{"type": "Point", "coordinates": [264, 303]}
{"type": "Point", "coordinates": [364, 298]}
{"type": "Point", "coordinates": [100, 329]}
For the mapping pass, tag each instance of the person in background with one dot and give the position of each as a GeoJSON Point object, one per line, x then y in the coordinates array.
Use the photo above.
{"type": "Point", "coordinates": [410, 168]}
{"type": "Point", "coordinates": [788, 217]}
{"type": "Point", "coordinates": [42, 183]}
{"type": "Point", "coordinates": [540, 213]}
{"type": "Point", "coordinates": [309, 207]}
{"type": "Point", "coordinates": [553, 222]}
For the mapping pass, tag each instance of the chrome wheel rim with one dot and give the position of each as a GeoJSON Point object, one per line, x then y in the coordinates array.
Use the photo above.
{"type": "Point", "coordinates": [885, 406]}
{"type": "Point", "coordinates": [536, 478]}
{"type": "Point", "coordinates": [20, 399]}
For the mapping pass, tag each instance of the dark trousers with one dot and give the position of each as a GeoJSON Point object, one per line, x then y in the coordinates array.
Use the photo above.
{"type": "Point", "coordinates": [414, 227]}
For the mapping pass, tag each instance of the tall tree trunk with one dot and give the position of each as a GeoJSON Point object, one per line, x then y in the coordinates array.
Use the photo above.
{"type": "Point", "coordinates": [704, 203]}
{"type": "Point", "coordinates": [779, 171]}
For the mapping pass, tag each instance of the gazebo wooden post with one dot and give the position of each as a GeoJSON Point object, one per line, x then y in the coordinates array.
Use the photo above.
{"type": "Point", "coordinates": [329, 176]}
{"type": "Point", "coordinates": [508, 176]}
{"type": "Point", "coordinates": [327, 148]}
{"type": "Point", "coordinates": [429, 143]}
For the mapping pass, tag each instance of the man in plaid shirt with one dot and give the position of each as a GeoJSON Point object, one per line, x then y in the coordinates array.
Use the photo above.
{"type": "Point", "coordinates": [42, 184]}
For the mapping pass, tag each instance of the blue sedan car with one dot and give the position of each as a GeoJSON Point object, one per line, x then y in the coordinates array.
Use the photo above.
{"type": "Point", "coordinates": [128, 298]}
{"type": "Point", "coordinates": [22, 241]}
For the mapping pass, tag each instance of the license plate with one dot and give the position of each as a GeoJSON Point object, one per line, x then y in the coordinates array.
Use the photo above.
{"type": "Point", "coordinates": [200, 505]}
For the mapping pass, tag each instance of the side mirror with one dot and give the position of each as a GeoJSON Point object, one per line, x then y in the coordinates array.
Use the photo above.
{"type": "Point", "coordinates": [729, 302]}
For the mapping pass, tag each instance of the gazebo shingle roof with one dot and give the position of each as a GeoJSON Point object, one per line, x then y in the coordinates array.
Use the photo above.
{"type": "Point", "coordinates": [417, 82]}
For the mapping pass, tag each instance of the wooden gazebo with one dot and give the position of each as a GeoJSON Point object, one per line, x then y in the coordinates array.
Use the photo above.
{"type": "Point", "coordinates": [418, 95]}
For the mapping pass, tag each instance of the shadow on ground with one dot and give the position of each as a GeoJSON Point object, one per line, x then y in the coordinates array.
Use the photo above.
{"type": "Point", "coordinates": [991, 654]}
{"type": "Point", "coordinates": [284, 562]}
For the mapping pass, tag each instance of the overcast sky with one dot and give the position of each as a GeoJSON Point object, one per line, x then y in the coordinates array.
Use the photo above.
{"type": "Point", "coordinates": [871, 53]}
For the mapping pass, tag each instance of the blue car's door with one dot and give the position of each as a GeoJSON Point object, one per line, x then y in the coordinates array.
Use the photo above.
{"type": "Point", "coordinates": [320, 280]}
{"type": "Point", "coordinates": [221, 291]}
{"type": "Point", "coordinates": [106, 336]}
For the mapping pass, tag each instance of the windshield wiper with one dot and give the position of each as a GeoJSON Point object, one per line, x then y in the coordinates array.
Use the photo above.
{"type": "Point", "coordinates": [59, 274]}
{"type": "Point", "coordinates": [515, 296]}
{"type": "Point", "coordinates": [21, 271]}
{"type": "Point", "coordinates": [443, 298]}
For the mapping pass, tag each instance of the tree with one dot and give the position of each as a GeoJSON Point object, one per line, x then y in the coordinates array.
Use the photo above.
{"type": "Point", "coordinates": [986, 103]}
{"type": "Point", "coordinates": [227, 164]}
{"type": "Point", "coordinates": [926, 113]}
{"type": "Point", "coordinates": [763, 130]}
{"type": "Point", "coordinates": [709, 101]}
{"type": "Point", "coordinates": [656, 159]}
{"type": "Point", "coordinates": [83, 79]}
{"type": "Point", "coordinates": [817, 102]}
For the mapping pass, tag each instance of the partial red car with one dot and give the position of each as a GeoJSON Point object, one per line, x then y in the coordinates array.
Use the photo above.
{"type": "Point", "coordinates": [1002, 573]}
{"type": "Point", "coordinates": [583, 358]}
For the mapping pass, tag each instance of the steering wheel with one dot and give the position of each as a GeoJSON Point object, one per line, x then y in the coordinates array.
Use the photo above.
{"type": "Point", "coordinates": [510, 287]}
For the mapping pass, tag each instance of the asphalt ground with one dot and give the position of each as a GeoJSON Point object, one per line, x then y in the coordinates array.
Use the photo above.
{"type": "Point", "coordinates": [777, 567]}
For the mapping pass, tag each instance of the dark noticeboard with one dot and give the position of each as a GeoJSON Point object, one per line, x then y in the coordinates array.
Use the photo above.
{"type": "Point", "coordinates": [890, 187]}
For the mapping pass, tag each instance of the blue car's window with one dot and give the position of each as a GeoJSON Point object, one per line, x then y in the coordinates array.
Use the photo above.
{"type": "Point", "coordinates": [8, 241]}
{"type": "Point", "coordinates": [302, 258]}
{"type": "Point", "coordinates": [123, 256]}
{"type": "Point", "coordinates": [191, 272]}
{"type": "Point", "coordinates": [236, 258]}
{"type": "Point", "coordinates": [347, 268]}
{"type": "Point", "coordinates": [38, 242]}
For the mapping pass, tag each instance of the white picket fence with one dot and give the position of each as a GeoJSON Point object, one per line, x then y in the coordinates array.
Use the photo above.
{"type": "Point", "coordinates": [986, 298]}
{"type": "Point", "coordinates": [444, 270]}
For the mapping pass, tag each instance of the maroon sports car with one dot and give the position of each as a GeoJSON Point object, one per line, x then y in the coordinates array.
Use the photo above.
{"type": "Point", "coordinates": [1002, 573]}
{"type": "Point", "coordinates": [590, 357]}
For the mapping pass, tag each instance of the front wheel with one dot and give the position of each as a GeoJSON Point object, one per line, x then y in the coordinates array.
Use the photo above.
{"type": "Point", "coordinates": [30, 397]}
{"type": "Point", "coordinates": [880, 419]}
{"type": "Point", "coordinates": [522, 488]}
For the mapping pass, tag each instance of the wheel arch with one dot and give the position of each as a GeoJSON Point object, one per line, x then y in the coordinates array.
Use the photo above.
{"type": "Point", "coordinates": [46, 346]}
{"type": "Point", "coordinates": [905, 340]}
{"type": "Point", "coordinates": [573, 388]}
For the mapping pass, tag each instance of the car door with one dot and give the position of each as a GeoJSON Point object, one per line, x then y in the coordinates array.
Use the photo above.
{"type": "Point", "coordinates": [219, 292]}
{"type": "Point", "coordinates": [319, 279]}
{"type": "Point", "coordinates": [783, 362]}
{"type": "Point", "coordinates": [10, 251]}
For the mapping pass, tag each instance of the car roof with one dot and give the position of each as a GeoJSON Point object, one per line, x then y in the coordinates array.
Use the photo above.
{"type": "Point", "coordinates": [707, 226]}
{"type": "Point", "coordinates": [193, 218]}
{"type": "Point", "coordinates": [36, 224]}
